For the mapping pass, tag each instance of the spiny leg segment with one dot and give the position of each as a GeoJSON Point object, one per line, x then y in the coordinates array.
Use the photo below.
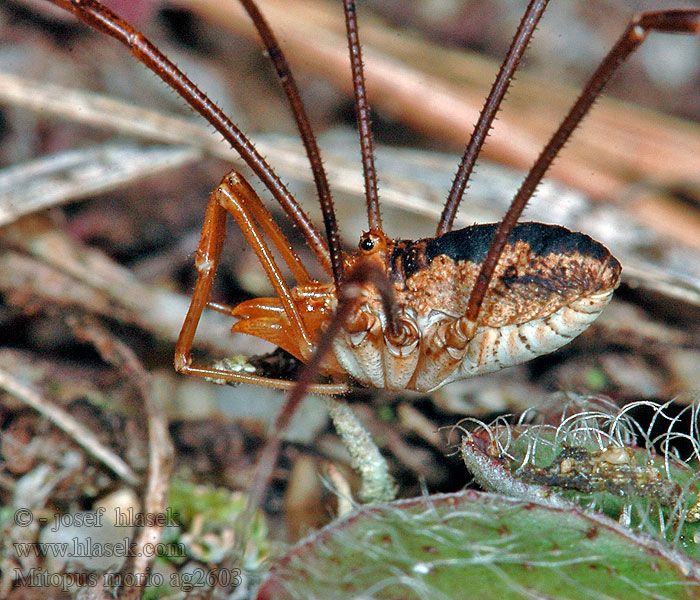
{"type": "Point", "coordinates": [362, 112]}
{"type": "Point", "coordinates": [670, 21]}
{"type": "Point", "coordinates": [101, 18]}
{"type": "Point", "coordinates": [286, 79]}
{"type": "Point", "coordinates": [527, 26]}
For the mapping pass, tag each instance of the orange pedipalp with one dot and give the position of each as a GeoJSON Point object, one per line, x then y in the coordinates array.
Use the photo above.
{"type": "Point", "coordinates": [269, 329]}
{"type": "Point", "coordinates": [258, 308]}
{"type": "Point", "coordinates": [266, 319]}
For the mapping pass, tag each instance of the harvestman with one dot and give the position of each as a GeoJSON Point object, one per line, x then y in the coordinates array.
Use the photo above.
{"type": "Point", "coordinates": [397, 314]}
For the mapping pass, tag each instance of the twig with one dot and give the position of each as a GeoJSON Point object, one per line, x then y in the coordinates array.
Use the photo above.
{"type": "Point", "coordinates": [160, 449]}
{"type": "Point", "coordinates": [85, 277]}
{"type": "Point", "coordinates": [84, 437]}
{"type": "Point", "coordinates": [71, 175]}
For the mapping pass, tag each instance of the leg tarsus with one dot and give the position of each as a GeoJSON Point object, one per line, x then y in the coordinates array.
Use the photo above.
{"type": "Point", "coordinates": [227, 376]}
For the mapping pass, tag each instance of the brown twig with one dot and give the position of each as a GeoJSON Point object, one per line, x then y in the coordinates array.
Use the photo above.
{"type": "Point", "coordinates": [82, 436]}
{"type": "Point", "coordinates": [160, 449]}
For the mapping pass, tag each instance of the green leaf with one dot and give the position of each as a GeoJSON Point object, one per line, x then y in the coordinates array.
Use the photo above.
{"type": "Point", "coordinates": [481, 546]}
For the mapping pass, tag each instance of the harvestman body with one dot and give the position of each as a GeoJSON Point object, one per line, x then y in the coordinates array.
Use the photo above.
{"type": "Point", "coordinates": [415, 318]}
{"type": "Point", "coordinates": [549, 287]}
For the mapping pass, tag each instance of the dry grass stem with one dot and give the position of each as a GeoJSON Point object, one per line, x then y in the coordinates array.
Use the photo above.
{"type": "Point", "coordinates": [76, 174]}
{"type": "Point", "coordinates": [160, 447]}
{"type": "Point", "coordinates": [82, 436]}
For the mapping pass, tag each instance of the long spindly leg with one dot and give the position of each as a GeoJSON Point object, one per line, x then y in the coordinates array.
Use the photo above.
{"type": "Point", "coordinates": [362, 113]}
{"type": "Point", "coordinates": [99, 17]}
{"type": "Point", "coordinates": [308, 138]}
{"type": "Point", "coordinates": [354, 281]}
{"type": "Point", "coordinates": [234, 196]}
{"type": "Point", "coordinates": [498, 91]}
{"type": "Point", "coordinates": [669, 21]}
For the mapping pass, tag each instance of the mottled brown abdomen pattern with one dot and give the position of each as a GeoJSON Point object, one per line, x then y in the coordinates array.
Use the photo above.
{"type": "Point", "coordinates": [549, 286]}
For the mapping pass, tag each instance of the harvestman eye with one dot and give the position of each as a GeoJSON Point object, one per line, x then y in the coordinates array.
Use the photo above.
{"type": "Point", "coordinates": [367, 245]}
